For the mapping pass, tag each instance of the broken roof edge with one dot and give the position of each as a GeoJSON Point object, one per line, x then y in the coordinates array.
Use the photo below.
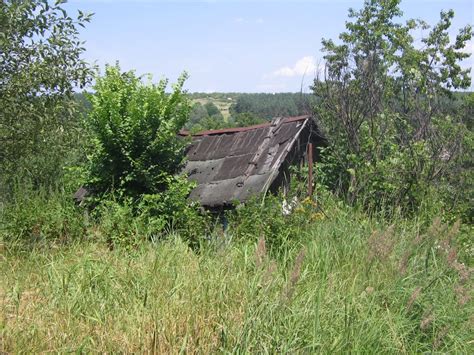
{"type": "Point", "coordinates": [243, 129]}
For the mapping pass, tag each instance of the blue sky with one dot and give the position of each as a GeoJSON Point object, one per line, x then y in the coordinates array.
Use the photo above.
{"type": "Point", "coordinates": [230, 46]}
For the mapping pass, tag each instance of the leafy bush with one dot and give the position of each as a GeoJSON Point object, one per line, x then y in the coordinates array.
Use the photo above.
{"type": "Point", "coordinates": [135, 147]}
{"type": "Point", "coordinates": [135, 156]}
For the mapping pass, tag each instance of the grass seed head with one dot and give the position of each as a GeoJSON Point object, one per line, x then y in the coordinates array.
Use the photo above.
{"type": "Point", "coordinates": [427, 319]}
{"type": "Point", "coordinates": [462, 294]}
{"type": "Point", "coordinates": [438, 341]}
{"type": "Point", "coordinates": [452, 256]}
{"type": "Point", "coordinates": [413, 298]}
{"type": "Point", "coordinates": [260, 252]}
{"type": "Point", "coordinates": [381, 244]}
{"type": "Point", "coordinates": [295, 275]}
{"type": "Point", "coordinates": [403, 265]}
{"type": "Point", "coordinates": [269, 273]}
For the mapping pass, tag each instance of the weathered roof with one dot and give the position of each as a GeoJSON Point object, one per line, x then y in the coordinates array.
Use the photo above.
{"type": "Point", "coordinates": [232, 164]}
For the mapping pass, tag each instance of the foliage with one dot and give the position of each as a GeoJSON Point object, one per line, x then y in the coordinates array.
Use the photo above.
{"type": "Point", "coordinates": [135, 147]}
{"type": "Point", "coordinates": [245, 109]}
{"type": "Point", "coordinates": [198, 114]}
{"type": "Point", "coordinates": [205, 117]}
{"type": "Point", "coordinates": [40, 65]}
{"type": "Point", "coordinates": [38, 216]}
{"type": "Point", "coordinates": [246, 119]}
{"type": "Point", "coordinates": [211, 109]}
{"type": "Point", "coordinates": [135, 157]}
{"type": "Point", "coordinates": [383, 103]}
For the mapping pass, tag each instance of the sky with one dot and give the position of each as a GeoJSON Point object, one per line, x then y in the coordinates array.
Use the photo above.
{"type": "Point", "coordinates": [231, 45]}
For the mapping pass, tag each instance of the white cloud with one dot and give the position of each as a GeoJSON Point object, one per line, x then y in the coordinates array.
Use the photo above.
{"type": "Point", "coordinates": [305, 65]}
{"type": "Point", "coordinates": [259, 21]}
{"type": "Point", "coordinates": [239, 19]}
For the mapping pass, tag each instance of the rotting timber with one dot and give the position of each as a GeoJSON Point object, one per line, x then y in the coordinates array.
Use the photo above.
{"type": "Point", "coordinates": [232, 164]}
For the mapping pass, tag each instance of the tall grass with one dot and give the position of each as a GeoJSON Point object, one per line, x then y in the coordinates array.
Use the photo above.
{"type": "Point", "coordinates": [339, 282]}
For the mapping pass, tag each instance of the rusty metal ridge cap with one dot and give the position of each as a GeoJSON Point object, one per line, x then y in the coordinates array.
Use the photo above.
{"type": "Point", "coordinates": [242, 129]}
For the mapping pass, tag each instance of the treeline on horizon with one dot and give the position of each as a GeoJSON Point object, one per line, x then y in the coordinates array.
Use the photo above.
{"type": "Point", "coordinates": [246, 109]}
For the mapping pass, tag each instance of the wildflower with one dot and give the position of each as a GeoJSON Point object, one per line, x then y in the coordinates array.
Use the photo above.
{"type": "Point", "coordinates": [299, 210]}
{"type": "Point", "coordinates": [317, 216]}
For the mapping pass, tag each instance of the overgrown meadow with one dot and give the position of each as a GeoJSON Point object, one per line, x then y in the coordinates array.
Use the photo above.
{"type": "Point", "coordinates": [378, 260]}
{"type": "Point", "coordinates": [336, 281]}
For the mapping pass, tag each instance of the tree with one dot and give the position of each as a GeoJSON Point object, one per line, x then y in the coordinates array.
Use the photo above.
{"type": "Point", "coordinates": [211, 109]}
{"type": "Point", "coordinates": [381, 105]}
{"type": "Point", "coordinates": [268, 106]}
{"type": "Point", "coordinates": [135, 148]}
{"type": "Point", "coordinates": [197, 114]}
{"type": "Point", "coordinates": [247, 119]}
{"type": "Point", "coordinates": [40, 65]}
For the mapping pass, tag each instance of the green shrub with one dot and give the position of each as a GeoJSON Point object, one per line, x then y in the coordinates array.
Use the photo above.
{"type": "Point", "coordinates": [269, 218]}
{"type": "Point", "coordinates": [135, 156]}
{"type": "Point", "coordinates": [134, 148]}
{"type": "Point", "coordinates": [127, 222]}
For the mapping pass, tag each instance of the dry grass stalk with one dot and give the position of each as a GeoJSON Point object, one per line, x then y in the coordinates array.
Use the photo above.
{"type": "Point", "coordinates": [418, 240]}
{"type": "Point", "coordinates": [294, 276]}
{"type": "Point", "coordinates": [452, 260]}
{"type": "Point", "coordinates": [436, 228]}
{"type": "Point", "coordinates": [427, 319]}
{"type": "Point", "coordinates": [439, 338]}
{"type": "Point", "coordinates": [452, 256]}
{"type": "Point", "coordinates": [463, 271]}
{"type": "Point", "coordinates": [260, 252]}
{"type": "Point", "coordinates": [450, 235]}
{"type": "Point", "coordinates": [413, 298]}
{"type": "Point", "coordinates": [268, 276]}
{"type": "Point", "coordinates": [381, 244]}
{"type": "Point", "coordinates": [462, 294]}
{"type": "Point", "coordinates": [403, 265]}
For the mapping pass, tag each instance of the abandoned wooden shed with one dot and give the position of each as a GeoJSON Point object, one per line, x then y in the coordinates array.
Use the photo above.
{"type": "Point", "coordinates": [233, 164]}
